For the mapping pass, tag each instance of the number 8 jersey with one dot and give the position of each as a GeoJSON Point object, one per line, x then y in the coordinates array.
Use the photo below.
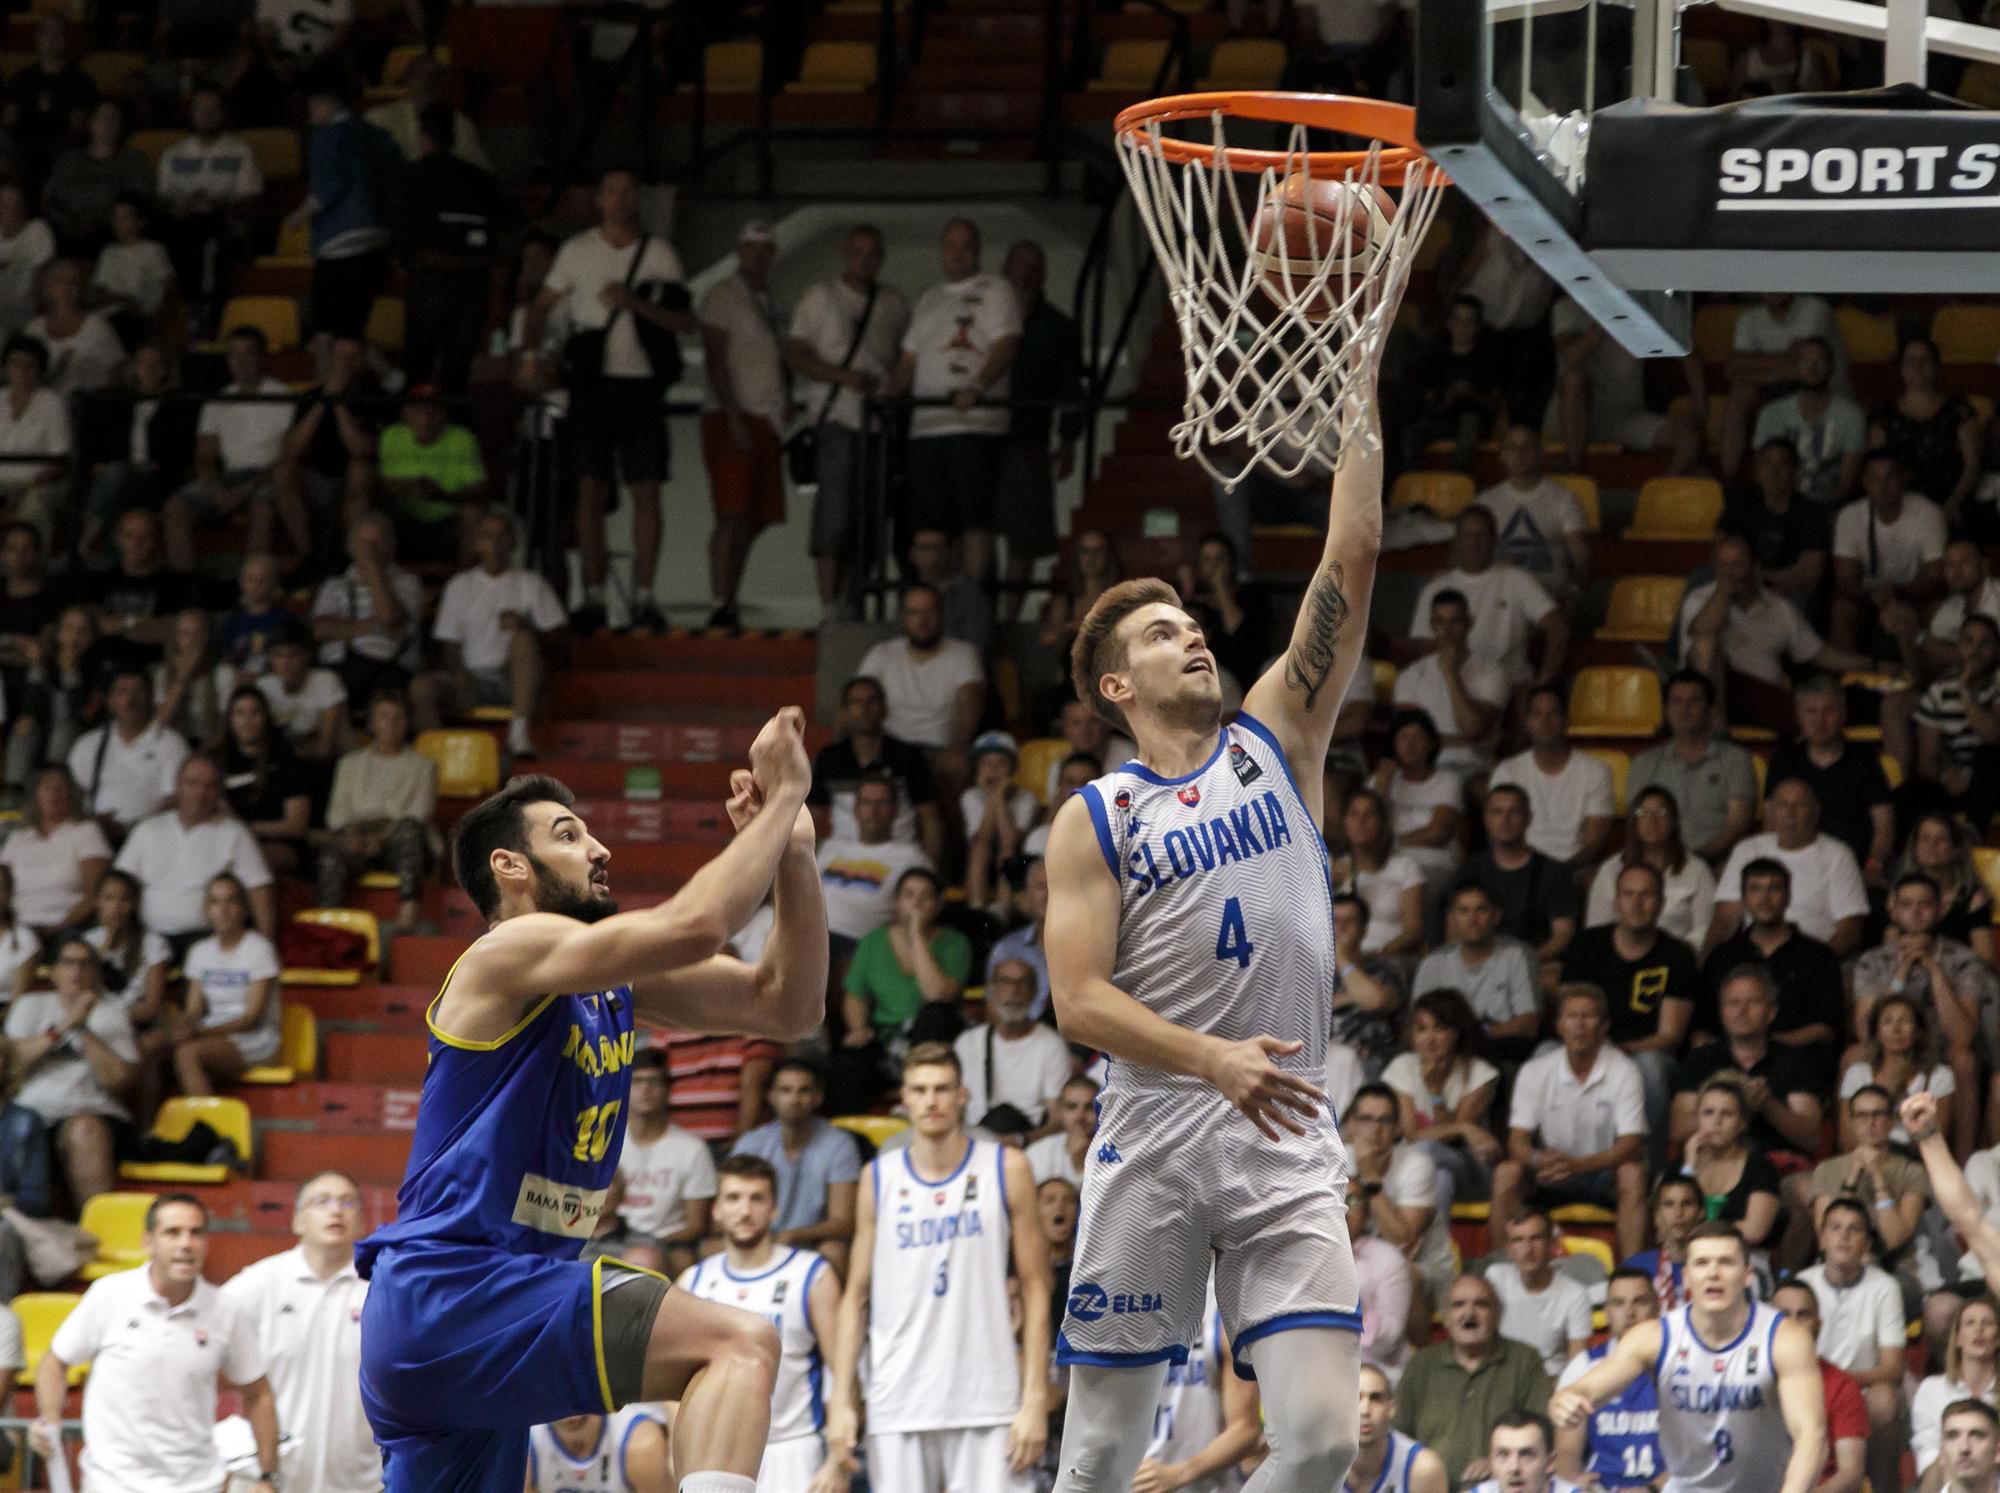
{"type": "Point", "coordinates": [1721, 1427]}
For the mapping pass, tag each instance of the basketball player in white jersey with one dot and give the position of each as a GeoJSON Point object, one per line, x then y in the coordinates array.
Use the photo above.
{"type": "Point", "coordinates": [1741, 1407]}
{"type": "Point", "coordinates": [1385, 1460]}
{"type": "Point", "coordinates": [1206, 1422]}
{"type": "Point", "coordinates": [936, 1226]}
{"type": "Point", "coordinates": [625, 1452]}
{"type": "Point", "coordinates": [796, 1291]}
{"type": "Point", "coordinates": [1190, 938]}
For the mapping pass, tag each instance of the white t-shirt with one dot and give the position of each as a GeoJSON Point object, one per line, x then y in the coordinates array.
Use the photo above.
{"type": "Point", "coordinates": [1579, 1117]}
{"type": "Point", "coordinates": [347, 596]}
{"type": "Point", "coordinates": [175, 862]}
{"type": "Point", "coordinates": [468, 613]}
{"type": "Point", "coordinates": [1826, 883]}
{"type": "Point", "coordinates": [224, 169]}
{"type": "Point", "coordinates": [153, 950]}
{"type": "Point", "coordinates": [1761, 330]}
{"type": "Point", "coordinates": [858, 882]}
{"type": "Point", "coordinates": [750, 321]}
{"type": "Point", "coordinates": [140, 272]}
{"type": "Point", "coordinates": [1022, 807]}
{"type": "Point", "coordinates": [21, 261]}
{"type": "Point", "coordinates": [1759, 636]}
{"type": "Point", "coordinates": [1534, 525]}
{"type": "Point", "coordinates": [149, 1407]}
{"type": "Point", "coordinates": [251, 436]}
{"type": "Point", "coordinates": [1383, 891]}
{"type": "Point", "coordinates": [825, 319]}
{"type": "Point", "coordinates": [1685, 911]}
{"type": "Point", "coordinates": [127, 779]}
{"type": "Point", "coordinates": [923, 694]}
{"type": "Point", "coordinates": [298, 715]}
{"type": "Point", "coordinates": [1559, 802]}
{"type": "Point", "coordinates": [661, 1178]}
{"type": "Point", "coordinates": [1405, 1074]}
{"type": "Point", "coordinates": [1411, 806]}
{"type": "Point", "coordinates": [1548, 1320]}
{"type": "Point", "coordinates": [1896, 553]}
{"type": "Point", "coordinates": [1422, 687]}
{"type": "Point", "coordinates": [1506, 604]}
{"type": "Point", "coordinates": [40, 429]}
{"type": "Point", "coordinates": [1410, 1181]}
{"type": "Point", "coordinates": [584, 266]}
{"type": "Point", "coordinates": [48, 870]}
{"type": "Point", "coordinates": [1344, 1076]}
{"type": "Point", "coordinates": [85, 361]}
{"type": "Point", "coordinates": [18, 945]}
{"type": "Point", "coordinates": [13, 1348]}
{"type": "Point", "coordinates": [955, 325]}
{"type": "Point", "coordinates": [1857, 1322]}
{"type": "Point", "coordinates": [61, 1084]}
{"type": "Point", "coordinates": [1028, 1072]}
{"type": "Point", "coordinates": [226, 975]}
{"type": "Point", "coordinates": [1048, 1158]}
{"type": "Point", "coordinates": [1951, 613]}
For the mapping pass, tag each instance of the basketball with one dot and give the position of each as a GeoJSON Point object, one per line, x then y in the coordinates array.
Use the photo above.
{"type": "Point", "coordinates": [1299, 227]}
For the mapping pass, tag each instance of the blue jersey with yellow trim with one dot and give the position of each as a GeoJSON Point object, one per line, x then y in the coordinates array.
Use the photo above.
{"type": "Point", "coordinates": [517, 1139]}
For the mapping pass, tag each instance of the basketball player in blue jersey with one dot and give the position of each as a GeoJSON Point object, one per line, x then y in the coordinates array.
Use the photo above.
{"type": "Point", "coordinates": [1741, 1405]}
{"type": "Point", "coordinates": [1619, 1446]}
{"type": "Point", "coordinates": [1190, 938]}
{"type": "Point", "coordinates": [481, 1321]}
{"type": "Point", "coordinates": [1385, 1460]}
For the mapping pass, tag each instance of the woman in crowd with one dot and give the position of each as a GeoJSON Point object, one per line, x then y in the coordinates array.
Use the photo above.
{"type": "Point", "coordinates": [85, 353]}
{"type": "Point", "coordinates": [1736, 1179]}
{"type": "Point", "coordinates": [74, 1052]}
{"type": "Point", "coordinates": [902, 987]}
{"type": "Point", "coordinates": [1653, 835]}
{"type": "Point", "coordinates": [1933, 434]}
{"type": "Point", "coordinates": [1902, 1058]}
{"type": "Point", "coordinates": [1387, 880]}
{"type": "Point", "coordinates": [56, 856]}
{"type": "Point", "coordinates": [232, 1022]}
{"type": "Point", "coordinates": [132, 959]}
{"type": "Point", "coordinates": [1937, 848]}
{"type": "Point", "coordinates": [1969, 1374]}
{"type": "Point", "coordinates": [192, 682]}
{"type": "Point", "coordinates": [65, 682]}
{"type": "Point", "coordinates": [1426, 802]}
{"type": "Point", "coordinates": [1444, 1089]}
{"type": "Point", "coordinates": [263, 782]}
{"type": "Point", "coordinates": [1368, 990]}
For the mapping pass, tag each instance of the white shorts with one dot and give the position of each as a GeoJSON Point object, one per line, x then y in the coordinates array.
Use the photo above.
{"type": "Point", "coordinates": [973, 1460]}
{"type": "Point", "coordinates": [789, 1466]}
{"type": "Point", "coordinates": [1172, 1186]}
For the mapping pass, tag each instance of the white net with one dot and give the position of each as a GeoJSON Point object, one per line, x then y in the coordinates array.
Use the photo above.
{"type": "Point", "coordinates": [1280, 351]}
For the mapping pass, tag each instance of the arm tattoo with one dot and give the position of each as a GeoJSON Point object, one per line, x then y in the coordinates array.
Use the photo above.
{"type": "Point", "coordinates": [1310, 660]}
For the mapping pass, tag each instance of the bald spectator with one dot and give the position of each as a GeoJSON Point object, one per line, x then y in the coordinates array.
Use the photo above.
{"type": "Point", "coordinates": [1712, 779]}
{"type": "Point", "coordinates": [935, 686]}
{"type": "Point", "coordinates": [1846, 777]}
{"type": "Point", "coordinates": [1015, 1066]}
{"type": "Point", "coordinates": [1541, 526]}
{"type": "Point", "coordinates": [864, 749]}
{"type": "Point", "coordinates": [1569, 792]}
{"type": "Point", "coordinates": [1829, 901]}
{"type": "Point", "coordinates": [1508, 605]}
{"type": "Point", "coordinates": [177, 852]}
{"type": "Point", "coordinates": [1454, 1392]}
{"type": "Point", "coordinates": [1464, 693]}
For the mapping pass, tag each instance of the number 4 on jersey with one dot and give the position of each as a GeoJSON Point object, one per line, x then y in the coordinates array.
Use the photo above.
{"type": "Point", "coordinates": [1233, 942]}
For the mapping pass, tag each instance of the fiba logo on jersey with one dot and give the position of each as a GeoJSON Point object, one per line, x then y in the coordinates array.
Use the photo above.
{"type": "Point", "coordinates": [1190, 795]}
{"type": "Point", "coordinates": [1243, 765]}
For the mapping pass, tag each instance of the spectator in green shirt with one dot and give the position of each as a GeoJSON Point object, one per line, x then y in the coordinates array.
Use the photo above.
{"type": "Point", "coordinates": [902, 986]}
{"type": "Point", "coordinates": [1454, 1392]}
{"type": "Point", "coordinates": [435, 479]}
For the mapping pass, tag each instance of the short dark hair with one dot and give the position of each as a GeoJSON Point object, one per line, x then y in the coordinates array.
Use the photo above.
{"type": "Point", "coordinates": [1917, 878]}
{"type": "Point", "coordinates": [742, 1164]}
{"type": "Point", "coordinates": [1847, 1205]}
{"type": "Point", "coordinates": [1349, 899]}
{"type": "Point", "coordinates": [1412, 715]}
{"type": "Point", "coordinates": [1970, 1406]}
{"type": "Point", "coordinates": [499, 823]}
{"type": "Point", "coordinates": [1532, 1214]}
{"type": "Point", "coordinates": [1469, 884]}
{"type": "Point", "coordinates": [921, 873]}
{"type": "Point", "coordinates": [390, 696]}
{"type": "Point", "coordinates": [1695, 677]}
{"type": "Point", "coordinates": [1514, 788]}
{"type": "Point", "coordinates": [1675, 1179]}
{"type": "Point", "coordinates": [857, 682]}
{"type": "Point", "coordinates": [1216, 536]}
{"type": "Point", "coordinates": [1097, 650]}
{"type": "Point", "coordinates": [1521, 1420]}
{"type": "Point", "coordinates": [1880, 453]}
{"type": "Point", "coordinates": [1450, 596]}
{"type": "Point", "coordinates": [1767, 865]}
{"type": "Point", "coordinates": [1089, 759]}
{"type": "Point", "coordinates": [166, 1200]}
{"type": "Point", "coordinates": [1784, 443]}
{"type": "Point", "coordinates": [797, 1065]}
{"type": "Point", "coordinates": [652, 1060]}
{"type": "Point", "coordinates": [1554, 691]}
{"type": "Point", "coordinates": [1872, 1088]}
{"type": "Point", "coordinates": [1376, 1090]}
{"type": "Point", "coordinates": [1631, 1272]}
{"type": "Point", "coordinates": [248, 333]}
{"type": "Point", "coordinates": [34, 347]}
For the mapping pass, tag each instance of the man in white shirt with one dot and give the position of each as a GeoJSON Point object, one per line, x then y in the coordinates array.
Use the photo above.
{"type": "Point", "coordinates": [1011, 1059]}
{"type": "Point", "coordinates": [207, 183]}
{"type": "Point", "coordinates": [305, 1306]}
{"type": "Point", "coordinates": [858, 875]}
{"type": "Point", "coordinates": [239, 442]}
{"type": "Point", "coordinates": [744, 409]}
{"type": "Point", "coordinates": [1542, 526]}
{"type": "Point", "coordinates": [1761, 357]}
{"type": "Point", "coordinates": [936, 686]}
{"type": "Point", "coordinates": [1861, 1327]}
{"type": "Point", "coordinates": [491, 619]}
{"type": "Point", "coordinates": [657, 1210]}
{"type": "Point", "coordinates": [1826, 429]}
{"type": "Point", "coordinates": [1576, 1131]}
{"type": "Point", "coordinates": [156, 1338]}
{"type": "Point", "coordinates": [1408, 1202]}
{"type": "Point", "coordinates": [1508, 605]}
{"type": "Point", "coordinates": [1539, 1305]}
{"type": "Point", "coordinates": [1569, 792]}
{"type": "Point", "coordinates": [125, 769]}
{"type": "Point", "coordinates": [1829, 899]}
{"type": "Point", "coordinates": [1970, 589]}
{"type": "Point", "coordinates": [178, 851]}
{"type": "Point", "coordinates": [959, 347]}
{"type": "Point", "coordinates": [1888, 547]}
{"type": "Point", "coordinates": [368, 620]}
{"type": "Point", "coordinates": [34, 421]}
{"type": "Point", "coordinates": [1464, 693]}
{"type": "Point", "coordinates": [615, 417]}
{"type": "Point", "coordinates": [827, 323]}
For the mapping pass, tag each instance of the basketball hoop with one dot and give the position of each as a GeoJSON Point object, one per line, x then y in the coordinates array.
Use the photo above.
{"type": "Point", "coordinates": [1280, 348]}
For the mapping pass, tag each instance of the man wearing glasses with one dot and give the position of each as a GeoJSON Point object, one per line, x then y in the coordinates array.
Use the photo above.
{"type": "Point", "coordinates": [306, 1304]}
{"type": "Point", "coordinates": [1884, 1180]}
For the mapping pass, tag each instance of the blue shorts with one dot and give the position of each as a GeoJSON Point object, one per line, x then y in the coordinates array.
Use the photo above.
{"type": "Point", "coordinates": [463, 1348]}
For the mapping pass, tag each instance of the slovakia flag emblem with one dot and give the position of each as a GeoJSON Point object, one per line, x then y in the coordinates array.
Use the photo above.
{"type": "Point", "coordinates": [1190, 795]}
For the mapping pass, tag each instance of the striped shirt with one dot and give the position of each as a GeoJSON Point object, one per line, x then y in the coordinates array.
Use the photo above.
{"type": "Point", "coordinates": [1943, 709]}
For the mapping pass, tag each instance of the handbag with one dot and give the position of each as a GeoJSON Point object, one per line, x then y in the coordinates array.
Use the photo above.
{"type": "Point", "coordinates": [802, 446]}
{"type": "Point", "coordinates": [582, 366]}
{"type": "Point", "coordinates": [56, 1249]}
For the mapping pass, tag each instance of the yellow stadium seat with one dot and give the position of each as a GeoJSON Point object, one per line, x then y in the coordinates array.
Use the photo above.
{"type": "Point", "coordinates": [1986, 861]}
{"type": "Point", "coordinates": [1245, 62]}
{"type": "Point", "coordinates": [1588, 1214]}
{"type": "Point", "coordinates": [1981, 85]}
{"type": "Point", "coordinates": [468, 762]}
{"type": "Point", "coordinates": [1385, 678]}
{"type": "Point", "coordinates": [1614, 700]}
{"type": "Point", "coordinates": [1643, 608]}
{"type": "Point", "coordinates": [1037, 762]}
{"type": "Point", "coordinates": [1471, 1212]}
{"type": "Point", "coordinates": [1130, 65]}
{"type": "Point", "coordinates": [276, 316]}
{"type": "Point", "coordinates": [111, 71]}
{"type": "Point", "coordinates": [1677, 508]}
{"type": "Point", "coordinates": [1892, 769]}
{"type": "Point", "coordinates": [298, 1050]}
{"type": "Point", "coordinates": [355, 920]}
{"type": "Point", "coordinates": [1446, 494]}
{"type": "Point", "coordinates": [152, 144]}
{"type": "Point", "coordinates": [1708, 58]}
{"type": "Point", "coordinates": [733, 66]}
{"type": "Point", "coordinates": [396, 66]}
{"type": "Point", "coordinates": [277, 153]}
{"type": "Point", "coordinates": [293, 249]}
{"type": "Point", "coordinates": [1870, 337]}
{"type": "Point", "coordinates": [876, 1128]}
{"type": "Point", "coordinates": [380, 881]}
{"type": "Point", "coordinates": [1585, 491]}
{"type": "Point", "coordinates": [1967, 334]}
{"type": "Point", "coordinates": [500, 713]}
{"type": "Point", "coordinates": [387, 320]}
{"type": "Point", "coordinates": [1620, 764]}
{"type": "Point", "coordinates": [1715, 330]}
{"type": "Point", "coordinates": [118, 1221]}
{"type": "Point", "coordinates": [41, 1313]}
{"type": "Point", "coordinates": [836, 67]}
{"type": "Point", "coordinates": [1591, 1247]}
{"type": "Point", "coordinates": [228, 1118]}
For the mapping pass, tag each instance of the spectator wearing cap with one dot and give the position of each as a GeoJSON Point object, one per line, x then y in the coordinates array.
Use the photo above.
{"type": "Point", "coordinates": [1042, 430]}
{"type": "Point", "coordinates": [864, 750]}
{"type": "Point", "coordinates": [746, 404]}
{"type": "Point", "coordinates": [239, 443]}
{"type": "Point", "coordinates": [384, 795]}
{"type": "Point", "coordinates": [34, 423]}
{"type": "Point", "coordinates": [454, 213]}
{"type": "Point", "coordinates": [175, 854]}
{"type": "Point", "coordinates": [967, 609]}
{"type": "Point", "coordinates": [308, 703]}
{"type": "Point", "coordinates": [935, 686]}
{"type": "Point", "coordinates": [433, 477]}
{"type": "Point", "coordinates": [368, 619]}
{"type": "Point", "coordinates": [1025, 942]}
{"type": "Point", "coordinates": [996, 813]}
{"type": "Point", "coordinates": [818, 1164]}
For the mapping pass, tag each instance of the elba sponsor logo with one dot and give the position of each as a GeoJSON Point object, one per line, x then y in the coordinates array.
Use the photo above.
{"type": "Point", "coordinates": [1845, 178]}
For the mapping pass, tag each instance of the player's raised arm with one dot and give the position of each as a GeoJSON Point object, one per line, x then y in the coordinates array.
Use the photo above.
{"type": "Point", "coordinates": [1299, 696]}
{"type": "Point", "coordinates": [1633, 1354]}
{"type": "Point", "coordinates": [1802, 1398]}
{"type": "Point", "coordinates": [1960, 1204]}
{"type": "Point", "coordinates": [1081, 942]}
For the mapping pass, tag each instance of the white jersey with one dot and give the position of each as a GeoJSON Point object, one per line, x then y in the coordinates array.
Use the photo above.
{"type": "Point", "coordinates": [1556, 1485]}
{"type": "Point", "coordinates": [941, 1352]}
{"type": "Point", "coordinates": [1189, 1413]}
{"type": "Point", "coordinates": [1397, 1462]}
{"type": "Point", "coordinates": [551, 1468]}
{"type": "Point", "coordinates": [1721, 1428]}
{"type": "Point", "coordinates": [778, 1294]}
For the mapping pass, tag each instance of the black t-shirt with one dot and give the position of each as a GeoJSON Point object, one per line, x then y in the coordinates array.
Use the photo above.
{"type": "Point", "coordinates": [1635, 986]}
{"type": "Point", "coordinates": [838, 771]}
{"type": "Point", "coordinates": [1758, 1176]}
{"type": "Point", "coordinates": [1244, 651]}
{"type": "Point", "coordinates": [1848, 788]}
{"type": "Point", "coordinates": [143, 597]}
{"type": "Point", "coordinates": [1784, 1070]}
{"type": "Point", "coordinates": [326, 452]}
{"type": "Point", "coordinates": [1531, 898]}
{"type": "Point", "coordinates": [1480, 368]}
{"type": "Point", "coordinates": [1806, 972]}
{"type": "Point", "coordinates": [283, 779]}
{"type": "Point", "coordinates": [30, 616]}
{"type": "Point", "coordinates": [454, 208]}
{"type": "Point", "coordinates": [47, 101]}
{"type": "Point", "coordinates": [1776, 540]}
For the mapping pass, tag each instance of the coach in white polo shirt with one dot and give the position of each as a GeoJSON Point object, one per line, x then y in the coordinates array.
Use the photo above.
{"type": "Point", "coordinates": [306, 1304]}
{"type": "Point", "coordinates": [177, 852]}
{"type": "Point", "coordinates": [125, 769]}
{"type": "Point", "coordinates": [155, 1339]}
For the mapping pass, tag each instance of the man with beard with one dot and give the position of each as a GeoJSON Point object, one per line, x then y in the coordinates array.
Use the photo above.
{"type": "Point", "coordinates": [1827, 429]}
{"type": "Point", "coordinates": [481, 1321]}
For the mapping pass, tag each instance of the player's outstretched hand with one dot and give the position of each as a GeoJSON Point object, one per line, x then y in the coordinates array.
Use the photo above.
{"type": "Point", "coordinates": [1920, 1115]}
{"type": "Point", "coordinates": [1267, 1095]}
{"type": "Point", "coordinates": [745, 799]}
{"type": "Point", "coordinates": [778, 758]}
{"type": "Point", "coordinates": [1026, 1439]}
{"type": "Point", "coordinates": [1568, 1409]}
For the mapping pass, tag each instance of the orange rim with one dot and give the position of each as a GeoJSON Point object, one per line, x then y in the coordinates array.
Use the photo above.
{"type": "Point", "coordinates": [1395, 125]}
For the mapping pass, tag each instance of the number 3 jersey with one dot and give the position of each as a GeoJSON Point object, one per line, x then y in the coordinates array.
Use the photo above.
{"type": "Point", "coordinates": [1721, 1426]}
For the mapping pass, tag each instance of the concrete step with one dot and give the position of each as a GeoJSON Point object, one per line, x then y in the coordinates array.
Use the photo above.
{"type": "Point", "coordinates": [373, 1058]}
{"type": "Point", "coordinates": [577, 691]}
